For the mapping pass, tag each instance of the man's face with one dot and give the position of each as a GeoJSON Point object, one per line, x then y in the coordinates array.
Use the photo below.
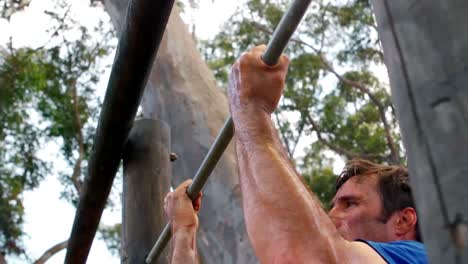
{"type": "Point", "coordinates": [357, 211]}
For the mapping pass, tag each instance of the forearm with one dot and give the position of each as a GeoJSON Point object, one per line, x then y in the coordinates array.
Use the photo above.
{"type": "Point", "coordinates": [184, 245]}
{"type": "Point", "coordinates": [281, 214]}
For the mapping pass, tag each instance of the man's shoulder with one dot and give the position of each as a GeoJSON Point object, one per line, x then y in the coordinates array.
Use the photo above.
{"type": "Point", "coordinates": [401, 252]}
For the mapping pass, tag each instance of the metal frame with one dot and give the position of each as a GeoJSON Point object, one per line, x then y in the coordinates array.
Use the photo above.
{"type": "Point", "coordinates": [141, 35]}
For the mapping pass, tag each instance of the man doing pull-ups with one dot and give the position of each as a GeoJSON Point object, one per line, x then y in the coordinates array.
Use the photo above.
{"type": "Point", "coordinates": [372, 219]}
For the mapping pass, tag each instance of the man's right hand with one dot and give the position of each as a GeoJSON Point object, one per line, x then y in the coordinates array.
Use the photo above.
{"type": "Point", "coordinates": [253, 85]}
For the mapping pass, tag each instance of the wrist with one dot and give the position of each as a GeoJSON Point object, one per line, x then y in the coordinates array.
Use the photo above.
{"type": "Point", "coordinates": [250, 117]}
{"type": "Point", "coordinates": [249, 107]}
{"type": "Point", "coordinates": [253, 129]}
{"type": "Point", "coordinates": [184, 229]}
{"type": "Point", "coordinates": [184, 246]}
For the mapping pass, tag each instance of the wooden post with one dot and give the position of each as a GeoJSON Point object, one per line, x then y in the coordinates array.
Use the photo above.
{"type": "Point", "coordinates": [146, 182]}
{"type": "Point", "coordinates": [426, 52]}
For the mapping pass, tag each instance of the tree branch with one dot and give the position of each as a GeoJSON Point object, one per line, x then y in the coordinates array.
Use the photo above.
{"type": "Point", "coordinates": [394, 156]}
{"type": "Point", "coordinates": [390, 142]}
{"type": "Point", "coordinates": [335, 13]}
{"type": "Point", "coordinates": [283, 136]}
{"type": "Point", "coordinates": [77, 168]}
{"type": "Point", "coordinates": [381, 108]}
{"type": "Point", "coordinates": [299, 134]}
{"type": "Point", "coordinates": [8, 11]}
{"type": "Point", "coordinates": [56, 31]}
{"type": "Point", "coordinates": [335, 148]}
{"type": "Point", "coordinates": [51, 252]}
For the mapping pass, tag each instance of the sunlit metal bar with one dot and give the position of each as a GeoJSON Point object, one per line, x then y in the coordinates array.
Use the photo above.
{"type": "Point", "coordinates": [275, 48]}
{"type": "Point", "coordinates": [141, 35]}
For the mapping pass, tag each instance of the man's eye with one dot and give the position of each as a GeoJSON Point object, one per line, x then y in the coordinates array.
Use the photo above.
{"type": "Point", "coordinates": [350, 203]}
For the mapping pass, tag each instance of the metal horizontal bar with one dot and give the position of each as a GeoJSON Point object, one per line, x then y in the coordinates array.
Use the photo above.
{"type": "Point", "coordinates": [284, 31]}
{"type": "Point", "coordinates": [207, 166]}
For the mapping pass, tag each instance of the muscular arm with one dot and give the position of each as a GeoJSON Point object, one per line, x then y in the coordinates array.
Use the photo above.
{"type": "Point", "coordinates": [283, 219]}
{"type": "Point", "coordinates": [285, 223]}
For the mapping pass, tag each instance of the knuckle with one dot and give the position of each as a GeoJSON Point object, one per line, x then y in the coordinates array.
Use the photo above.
{"type": "Point", "coordinates": [260, 48]}
{"type": "Point", "coordinates": [188, 181]}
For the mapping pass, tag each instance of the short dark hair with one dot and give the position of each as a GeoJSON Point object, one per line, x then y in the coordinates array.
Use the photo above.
{"type": "Point", "coordinates": [393, 181]}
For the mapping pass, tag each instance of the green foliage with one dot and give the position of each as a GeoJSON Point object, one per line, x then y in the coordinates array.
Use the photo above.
{"type": "Point", "coordinates": [321, 184]}
{"type": "Point", "coordinates": [9, 7]}
{"type": "Point", "coordinates": [331, 95]}
{"type": "Point", "coordinates": [111, 236]}
{"type": "Point", "coordinates": [357, 22]}
{"type": "Point", "coordinates": [48, 95]}
{"type": "Point", "coordinates": [317, 173]}
{"type": "Point", "coordinates": [20, 167]}
{"type": "Point", "coordinates": [351, 120]}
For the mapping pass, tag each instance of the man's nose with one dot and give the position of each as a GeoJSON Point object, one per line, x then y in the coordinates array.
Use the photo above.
{"type": "Point", "coordinates": [332, 212]}
{"type": "Point", "coordinates": [334, 216]}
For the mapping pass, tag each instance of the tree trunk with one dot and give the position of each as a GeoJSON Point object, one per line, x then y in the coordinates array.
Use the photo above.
{"type": "Point", "coordinates": [182, 91]}
{"type": "Point", "coordinates": [146, 181]}
{"type": "Point", "coordinates": [426, 52]}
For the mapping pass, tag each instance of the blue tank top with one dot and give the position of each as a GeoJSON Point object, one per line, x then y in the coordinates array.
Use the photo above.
{"type": "Point", "coordinates": [401, 252]}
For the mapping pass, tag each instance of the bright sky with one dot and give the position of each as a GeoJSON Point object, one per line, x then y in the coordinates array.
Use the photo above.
{"type": "Point", "coordinates": [48, 218]}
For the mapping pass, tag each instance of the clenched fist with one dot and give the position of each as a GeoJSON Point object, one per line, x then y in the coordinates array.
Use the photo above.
{"type": "Point", "coordinates": [255, 85]}
{"type": "Point", "coordinates": [180, 210]}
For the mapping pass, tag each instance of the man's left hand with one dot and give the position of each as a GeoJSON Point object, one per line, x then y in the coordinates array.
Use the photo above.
{"type": "Point", "coordinates": [181, 211]}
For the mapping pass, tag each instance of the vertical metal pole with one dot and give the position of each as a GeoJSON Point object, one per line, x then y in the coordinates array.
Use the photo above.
{"type": "Point", "coordinates": [143, 30]}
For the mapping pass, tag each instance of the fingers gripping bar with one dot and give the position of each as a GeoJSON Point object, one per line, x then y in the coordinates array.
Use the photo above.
{"type": "Point", "coordinates": [275, 48]}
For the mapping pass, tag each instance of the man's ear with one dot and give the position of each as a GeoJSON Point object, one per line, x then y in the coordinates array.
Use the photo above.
{"type": "Point", "coordinates": [405, 223]}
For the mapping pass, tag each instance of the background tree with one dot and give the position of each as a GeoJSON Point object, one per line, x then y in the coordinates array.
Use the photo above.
{"type": "Point", "coordinates": [47, 96]}
{"type": "Point", "coordinates": [336, 106]}
{"type": "Point", "coordinates": [336, 95]}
